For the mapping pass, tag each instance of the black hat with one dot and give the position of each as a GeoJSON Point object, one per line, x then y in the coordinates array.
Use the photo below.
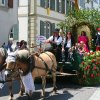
{"type": "Point", "coordinates": [56, 30]}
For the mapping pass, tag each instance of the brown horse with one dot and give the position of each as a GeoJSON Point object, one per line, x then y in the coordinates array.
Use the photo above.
{"type": "Point", "coordinates": [8, 80]}
{"type": "Point", "coordinates": [38, 65]}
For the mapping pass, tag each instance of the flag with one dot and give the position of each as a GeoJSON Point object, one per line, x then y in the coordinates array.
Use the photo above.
{"type": "Point", "coordinates": [48, 11]}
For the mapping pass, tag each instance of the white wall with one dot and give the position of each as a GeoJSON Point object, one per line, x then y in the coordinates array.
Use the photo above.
{"type": "Point", "coordinates": [8, 17]}
{"type": "Point", "coordinates": [53, 14]}
{"type": "Point", "coordinates": [23, 20]}
{"type": "Point", "coordinates": [23, 28]}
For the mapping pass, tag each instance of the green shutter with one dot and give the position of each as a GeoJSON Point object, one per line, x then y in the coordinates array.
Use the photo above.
{"type": "Point", "coordinates": [52, 4]}
{"type": "Point", "coordinates": [63, 6]}
{"type": "Point", "coordinates": [52, 28]}
{"type": "Point", "coordinates": [67, 7]}
{"type": "Point", "coordinates": [42, 28]}
{"type": "Point", "coordinates": [16, 31]}
{"type": "Point", "coordinates": [57, 5]}
{"type": "Point", "coordinates": [72, 6]}
{"type": "Point", "coordinates": [42, 3]}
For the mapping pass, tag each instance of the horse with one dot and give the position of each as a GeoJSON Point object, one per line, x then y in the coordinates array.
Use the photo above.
{"type": "Point", "coordinates": [6, 79]}
{"type": "Point", "coordinates": [39, 65]}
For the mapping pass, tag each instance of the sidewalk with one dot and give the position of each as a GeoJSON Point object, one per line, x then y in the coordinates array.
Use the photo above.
{"type": "Point", "coordinates": [96, 95]}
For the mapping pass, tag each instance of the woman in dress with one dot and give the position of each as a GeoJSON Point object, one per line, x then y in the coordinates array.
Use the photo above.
{"type": "Point", "coordinates": [84, 38]}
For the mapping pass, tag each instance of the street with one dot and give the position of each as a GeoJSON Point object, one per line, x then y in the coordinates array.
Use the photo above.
{"type": "Point", "coordinates": [66, 90]}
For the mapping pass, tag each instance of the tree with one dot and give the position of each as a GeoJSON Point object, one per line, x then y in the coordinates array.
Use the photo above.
{"type": "Point", "coordinates": [77, 18]}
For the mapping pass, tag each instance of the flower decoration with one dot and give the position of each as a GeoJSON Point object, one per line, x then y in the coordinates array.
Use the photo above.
{"type": "Point", "coordinates": [89, 69]}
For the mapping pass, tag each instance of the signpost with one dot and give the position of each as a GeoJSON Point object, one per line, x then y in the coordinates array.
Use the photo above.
{"type": "Point", "coordinates": [40, 39]}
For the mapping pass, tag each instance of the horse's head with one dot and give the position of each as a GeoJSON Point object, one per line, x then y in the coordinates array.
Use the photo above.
{"type": "Point", "coordinates": [3, 55]}
{"type": "Point", "coordinates": [10, 64]}
{"type": "Point", "coordinates": [23, 60]}
{"type": "Point", "coordinates": [17, 61]}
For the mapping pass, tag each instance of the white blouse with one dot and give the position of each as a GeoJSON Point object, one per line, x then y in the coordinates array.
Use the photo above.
{"type": "Point", "coordinates": [68, 44]}
{"type": "Point", "coordinates": [56, 39]}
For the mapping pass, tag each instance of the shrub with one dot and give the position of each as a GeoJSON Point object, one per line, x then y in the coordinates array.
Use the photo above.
{"type": "Point", "coordinates": [89, 69]}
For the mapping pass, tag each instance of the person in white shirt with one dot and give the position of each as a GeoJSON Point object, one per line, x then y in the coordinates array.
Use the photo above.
{"type": "Point", "coordinates": [56, 42]}
{"type": "Point", "coordinates": [68, 43]}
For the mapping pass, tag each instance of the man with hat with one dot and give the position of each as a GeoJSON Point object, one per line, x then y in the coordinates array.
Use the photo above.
{"type": "Point", "coordinates": [98, 40]}
{"type": "Point", "coordinates": [56, 42]}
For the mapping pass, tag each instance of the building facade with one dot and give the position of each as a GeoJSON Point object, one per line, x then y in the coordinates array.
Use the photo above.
{"type": "Point", "coordinates": [8, 20]}
{"type": "Point", "coordinates": [89, 4]}
{"type": "Point", "coordinates": [40, 17]}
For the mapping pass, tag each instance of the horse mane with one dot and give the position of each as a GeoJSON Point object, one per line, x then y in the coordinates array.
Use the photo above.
{"type": "Point", "coordinates": [25, 57]}
{"type": "Point", "coordinates": [22, 56]}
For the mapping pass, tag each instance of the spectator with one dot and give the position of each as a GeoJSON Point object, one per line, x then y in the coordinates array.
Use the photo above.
{"type": "Point", "coordinates": [9, 46]}
{"type": "Point", "coordinates": [23, 45]}
{"type": "Point", "coordinates": [17, 46]}
{"type": "Point", "coordinates": [85, 39]}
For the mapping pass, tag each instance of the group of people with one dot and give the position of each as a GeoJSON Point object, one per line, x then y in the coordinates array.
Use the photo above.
{"type": "Point", "coordinates": [63, 44]}
{"type": "Point", "coordinates": [11, 53]}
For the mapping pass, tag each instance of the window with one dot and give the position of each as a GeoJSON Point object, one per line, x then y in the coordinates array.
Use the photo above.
{"type": "Point", "coordinates": [60, 6]}
{"type": "Point", "coordinates": [52, 4]}
{"type": "Point", "coordinates": [96, 1]}
{"type": "Point", "coordinates": [46, 28]}
{"type": "Point", "coordinates": [11, 34]}
{"type": "Point", "coordinates": [82, 3]}
{"type": "Point", "coordinates": [45, 3]}
{"type": "Point", "coordinates": [3, 2]}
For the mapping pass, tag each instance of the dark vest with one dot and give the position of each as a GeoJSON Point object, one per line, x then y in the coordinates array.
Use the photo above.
{"type": "Point", "coordinates": [55, 46]}
{"type": "Point", "coordinates": [98, 40]}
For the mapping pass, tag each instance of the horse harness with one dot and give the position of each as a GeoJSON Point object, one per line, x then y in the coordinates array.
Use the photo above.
{"type": "Point", "coordinates": [32, 65]}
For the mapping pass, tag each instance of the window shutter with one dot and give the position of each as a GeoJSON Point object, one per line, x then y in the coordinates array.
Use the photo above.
{"type": "Point", "coordinates": [52, 4]}
{"type": "Point", "coordinates": [72, 6]}
{"type": "Point", "coordinates": [52, 28]}
{"type": "Point", "coordinates": [16, 31]}
{"type": "Point", "coordinates": [10, 3]}
{"type": "Point", "coordinates": [57, 7]}
{"type": "Point", "coordinates": [82, 3]}
{"type": "Point", "coordinates": [67, 7]}
{"type": "Point", "coordinates": [47, 30]}
{"type": "Point", "coordinates": [42, 3]}
{"type": "Point", "coordinates": [63, 6]}
{"type": "Point", "coordinates": [42, 28]}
